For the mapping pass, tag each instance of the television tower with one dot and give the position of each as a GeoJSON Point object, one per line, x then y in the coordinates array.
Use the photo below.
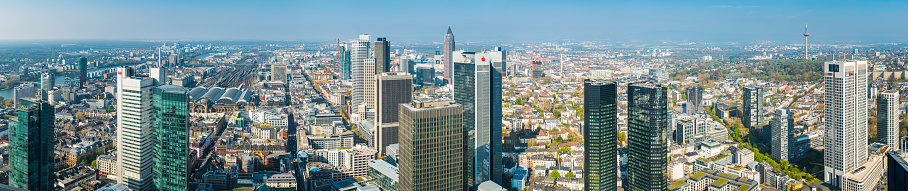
{"type": "Point", "coordinates": [805, 41]}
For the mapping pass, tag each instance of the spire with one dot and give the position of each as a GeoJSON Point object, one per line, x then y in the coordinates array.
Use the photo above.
{"type": "Point", "coordinates": [449, 30]}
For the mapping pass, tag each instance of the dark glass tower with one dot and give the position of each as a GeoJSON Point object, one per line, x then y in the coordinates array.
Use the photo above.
{"type": "Point", "coordinates": [477, 86]}
{"type": "Point", "coordinates": [648, 121]}
{"type": "Point", "coordinates": [83, 68]}
{"type": "Point", "coordinates": [694, 99]}
{"type": "Point", "coordinates": [601, 135]}
{"type": "Point", "coordinates": [431, 139]}
{"type": "Point", "coordinates": [171, 137]}
{"type": "Point", "coordinates": [382, 56]}
{"type": "Point", "coordinates": [753, 106]}
{"type": "Point", "coordinates": [31, 141]}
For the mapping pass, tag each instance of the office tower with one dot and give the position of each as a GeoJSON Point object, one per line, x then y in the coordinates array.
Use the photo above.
{"type": "Point", "coordinates": [431, 151]}
{"type": "Point", "coordinates": [393, 89]}
{"type": "Point", "coordinates": [404, 65]}
{"type": "Point", "coordinates": [31, 146]}
{"type": "Point", "coordinates": [694, 99]}
{"type": "Point", "coordinates": [647, 137]}
{"type": "Point", "coordinates": [83, 68]}
{"type": "Point", "coordinates": [171, 137]}
{"type": "Point", "coordinates": [448, 53]}
{"type": "Point", "coordinates": [600, 137]}
{"type": "Point", "coordinates": [47, 83]}
{"type": "Point", "coordinates": [279, 72]}
{"type": "Point", "coordinates": [344, 60]}
{"type": "Point", "coordinates": [897, 169]}
{"type": "Point", "coordinates": [845, 116]}
{"type": "Point", "coordinates": [782, 126]}
{"type": "Point", "coordinates": [159, 74]}
{"type": "Point", "coordinates": [26, 90]}
{"type": "Point", "coordinates": [887, 118]}
{"type": "Point", "coordinates": [382, 56]}
{"type": "Point", "coordinates": [363, 76]}
{"type": "Point", "coordinates": [537, 69]}
{"type": "Point", "coordinates": [752, 106]}
{"type": "Point", "coordinates": [425, 75]}
{"type": "Point", "coordinates": [477, 87]}
{"type": "Point", "coordinates": [134, 135]}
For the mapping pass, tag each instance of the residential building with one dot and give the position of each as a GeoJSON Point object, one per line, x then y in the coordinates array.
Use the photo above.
{"type": "Point", "coordinates": [752, 106]}
{"type": "Point", "coordinates": [782, 126]}
{"type": "Point", "coordinates": [694, 96]}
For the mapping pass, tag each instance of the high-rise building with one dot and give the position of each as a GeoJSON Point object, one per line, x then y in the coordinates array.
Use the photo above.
{"type": "Point", "coordinates": [887, 118]}
{"type": "Point", "coordinates": [431, 151]}
{"type": "Point", "coordinates": [477, 86]}
{"type": "Point", "coordinates": [171, 137]}
{"type": "Point", "coordinates": [782, 126]}
{"type": "Point", "coordinates": [83, 69]}
{"type": "Point", "coordinates": [752, 106]}
{"type": "Point", "coordinates": [382, 56]}
{"type": "Point", "coordinates": [393, 89]}
{"type": "Point", "coordinates": [845, 116]}
{"type": "Point", "coordinates": [425, 75]}
{"type": "Point", "coordinates": [897, 169]}
{"type": "Point", "coordinates": [26, 90]}
{"type": "Point", "coordinates": [405, 65]}
{"type": "Point", "coordinates": [538, 69]}
{"type": "Point", "coordinates": [448, 53]}
{"type": "Point", "coordinates": [344, 61]}
{"type": "Point", "coordinates": [647, 137]}
{"type": "Point", "coordinates": [600, 138]}
{"type": "Point", "coordinates": [694, 96]}
{"type": "Point", "coordinates": [279, 72]}
{"type": "Point", "coordinates": [363, 77]}
{"type": "Point", "coordinates": [134, 132]}
{"type": "Point", "coordinates": [47, 84]}
{"type": "Point", "coordinates": [31, 146]}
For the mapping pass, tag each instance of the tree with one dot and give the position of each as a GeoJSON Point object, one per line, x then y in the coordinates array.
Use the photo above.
{"type": "Point", "coordinates": [569, 175]}
{"type": "Point", "coordinates": [111, 108]}
{"type": "Point", "coordinates": [555, 174]}
{"type": "Point", "coordinates": [94, 163]}
{"type": "Point", "coordinates": [518, 101]}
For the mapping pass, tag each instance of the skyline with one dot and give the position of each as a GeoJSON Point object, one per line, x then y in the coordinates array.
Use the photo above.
{"type": "Point", "coordinates": [421, 21]}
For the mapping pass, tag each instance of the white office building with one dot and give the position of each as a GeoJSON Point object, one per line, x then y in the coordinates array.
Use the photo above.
{"type": "Point", "coordinates": [845, 117]}
{"type": "Point", "coordinates": [134, 133]}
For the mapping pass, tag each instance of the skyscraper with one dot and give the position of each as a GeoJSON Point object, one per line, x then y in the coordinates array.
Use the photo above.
{"type": "Point", "coordinates": [448, 52]}
{"type": "Point", "coordinates": [600, 137]}
{"type": "Point", "coordinates": [694, 96]}
{"type": "Point", "coordinates": [279, 72]}
{"type": "Point", "coordinates": [382, 56]}
{"type": "Point", "coordinates": [845, 116]}
{"type": "Point", "coordinates": [344, 60]}
{"type": "Point", "coordinates": [782, 125]}
{"type": "Point", "coordinates": [47, 84]}
{"type": "Point", "coordinates": [171, 137]}
{"type": "Point", "coordinates": [363, 76]}
{"type": "Point", "coordinates": [648, 121]}
{"type": "Point", "coordinates": [477, 86]}
{"type": "Point", "coordinates": [752, 106]}
{"type": "Point", "coordinates": [431, 155]}
{"type": "Point", "coordinates": [393, 90]}
{"type": "Point", "coordinates": [83, 68]}
{"type": "Point", "coordinates": [538, 69]}
{"type": "Point", "coordinates": [134, 135]}
{"type": "Point", "coordinates": [887, 118]}
{"type": "Point", "coordinates": [31, 146]}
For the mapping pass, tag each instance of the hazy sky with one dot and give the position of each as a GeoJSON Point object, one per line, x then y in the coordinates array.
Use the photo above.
{"type": "Point", "coordinates": [622, 20]}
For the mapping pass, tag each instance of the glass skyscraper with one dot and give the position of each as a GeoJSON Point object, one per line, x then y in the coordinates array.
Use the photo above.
{"type": "Point", "coordinates": [601, 135]}
{"type": "Point", "coordinates": [477, 86]}
{"type": "Point", "coordinates": [648, 122]}
{"type": "Point", "coordinates": [31, 146]}
{"type": "Point", "coordinates": [344, 61]}
{"type": "Point", "coordinates": [753, 106]}
{"type": "Point", "coordinates": [171, 137]}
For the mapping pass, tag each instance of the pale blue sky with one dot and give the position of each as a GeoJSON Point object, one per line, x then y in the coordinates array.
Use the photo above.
{"type": "Point", "coordinates": [620, 20]}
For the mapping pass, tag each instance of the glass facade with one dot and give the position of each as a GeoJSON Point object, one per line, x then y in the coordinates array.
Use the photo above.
{"type": "Point", "coordinates": [477, 86]}
{"type": "Point", "coordinates": [753, 106]}
{"type": "Point", "coordinates": [648, 122]}
{"type": "Point", "coordinates": [171, 137]}
{"type": "Point", "coordinates": [601, 135]}
{"type": "Point", "coordinates": [31, 141]}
